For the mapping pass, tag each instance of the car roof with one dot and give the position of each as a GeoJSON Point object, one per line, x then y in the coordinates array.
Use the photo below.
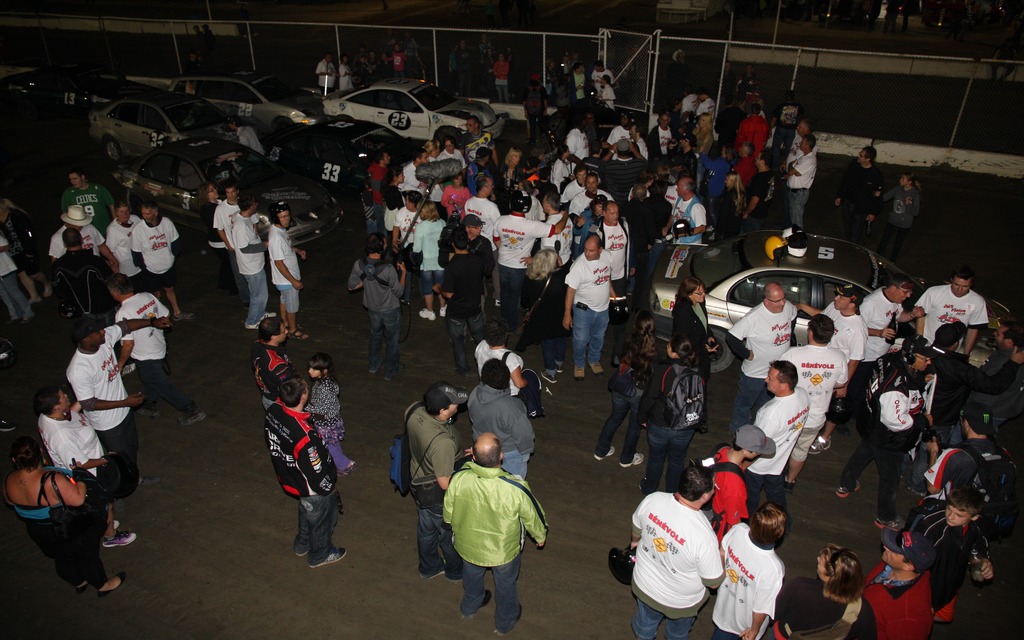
{"type": "Point", "coordinates": [849, 261]}
{"type": "Point", "coordinates": [245, 76]}
{"type": "Point", "coordinates": [200, 148]}
{"type": "Point", "coordinates": [405, 84]}
{"type": "Point", "coordinates": [354, 129]}
{"type": "Point", "coordinates": [162, 99]}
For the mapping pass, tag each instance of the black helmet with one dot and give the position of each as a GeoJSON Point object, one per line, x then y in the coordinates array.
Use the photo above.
{"type": "Point", "coordinates": [621, 563]}
{"type": "Point", "coordinates": [839, 410]}
{"type": "Point", "coordinates": [681, 227]}
{"type": "Point", "coordinates": [520, 201]}
{"type": "Point", "coordinates": [278, 207]}
{"type": "Point", "coordinates": [8, 354]}
{"type": "Point", "coordinates": [796, 240]}
{"type": "Point", "coordinates": [68, 310]}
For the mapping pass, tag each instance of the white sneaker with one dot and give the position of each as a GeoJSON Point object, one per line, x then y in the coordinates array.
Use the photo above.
{"type": "Point", "coordinates": [444, 311]}
{"type": "Point", "coordinates": [427, 314]}
{"type": "Point", "coordinates": [638, 458]}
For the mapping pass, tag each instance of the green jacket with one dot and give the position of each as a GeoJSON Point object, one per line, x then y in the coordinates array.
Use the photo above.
{"type": "Point", "coordinates": [489, 510]}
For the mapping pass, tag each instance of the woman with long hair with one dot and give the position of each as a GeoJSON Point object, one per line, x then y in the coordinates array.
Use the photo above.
{"type": "Point", "coordinates": [815, 603]}
{"type": "Point", "coordinates": [906, 204]}
{"type": "Point", "coordinates": [428, 232]}
{"type": "Point", "coordinates": [663, 441]}
{"type": "Point", "coordinates": [730, 209]}
{"type": "Point", "coordinates": [634, 372]}
{"type": "Point", "coordinates": [512, 170]}
{"type": "Point", "coordinates": [704, 132]}
{"type": "Point", "coordinates": [543, 297]}
{"type": "Point", "coordinates": [690, 318]}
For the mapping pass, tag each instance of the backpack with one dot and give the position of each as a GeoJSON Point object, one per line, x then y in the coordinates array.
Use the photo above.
{"type": "Point", "coordinates": [717, 518]}
{"type": "Point", "coordinates": [534, 102]}
{"type": "Point", "coordinates": [401, 456]}
{"type": "Point", "coordinates": [838, 630]}
{"type": "Point", "coordinates": [685, 405]}
{"type": "Point", "coordinates": [996, 478]}
{"type": "Point", "coordinates": [530, 394]}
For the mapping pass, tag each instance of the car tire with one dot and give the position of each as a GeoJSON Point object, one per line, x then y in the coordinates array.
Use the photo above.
{"type": "Point", "coordinates": [721, 360]}
{"type": "Point", "coordinates": [113, 149]}
{"type": "Point", "coordinates": [280, 123]}
{"type": "Point", "coordinates": [27, 109]}
{"type": "Point", "coordinates": [444, 132]}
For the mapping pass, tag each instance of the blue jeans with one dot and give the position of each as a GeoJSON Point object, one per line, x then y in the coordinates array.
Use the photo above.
{"type": "Point", "coordinates": [647, 620]}
{"type": "Point", "coordinates": [751, 224]}
{"type": "Point", "coordinates": [588, 327]}
{"type": "Point", "coordinates": [511, 289]}
{"type": "Point", "coordinates": [657, 249]}
{"type": "Point", "coordinates": [428, 278]}
{"type": "Point", "coordinates": [797, 203]}
{"type": "Point", "coordinates": [17, 303]}
{"type": "Point", "coordinates": [751, 395]}
{"type": "Point", "coordinates": [662, 442]}
{"type": "Point", "coordinates": [713, 203]}
{"type": "Point", "coordinates": [317, 517]}
{"type": "Point", "coordinates": [457, 336]}
{"type": "Point", "coordinates": [725, 635]}
{"type": "Point", "coordinates": [915, 481]}
{"type": "Point", "coordinates": [256, 285]}
{"type": "Point", "coordinates": [515, 463]}
{"type": "Point", "coordinates": [384, 328]}
{"type": "Point", "coordinates": [506, 595]}
{"type": "Point", "coordinates": [782, 142]}
{"type": "Point", "coordinates": [157, 384]}
{"type": "Point", "coordinates": [240, 283]}
{"type": "Point", "coordinates": [621, 405]}
{"type": "Point", "coordinates": [435, 546]}
{"type": "Point", "coordinates": [774, 491]}
{"type": "Point", "coordinates": [376, 223]}
{"type": "Point", "coordinates": [553, 350]}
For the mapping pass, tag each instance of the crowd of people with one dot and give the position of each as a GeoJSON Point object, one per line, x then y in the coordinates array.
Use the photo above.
{"type": "Point", "coordinates": [558, 248]}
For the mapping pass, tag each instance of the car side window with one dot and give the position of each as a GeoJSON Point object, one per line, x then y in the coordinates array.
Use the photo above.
{"type": "Point", "coordinates": [298, 144]}
{"type": "Point", "coordinates": [369, 99]}
{"type": "Point", "coordinates": [65, 84]}
{"type": "Point", "coordinates": [406, 103]}
{"type": "Point", "coordinates": [150, 118]}
{"type": "Point", "coordinates": [750, 291]}
{"type": "Point", "coordinates": [127, 112]}
{"type": "Point", "coordinates": [213, 90]}
{"type": "Point", "coordinates": [241, 93]}
{"type": "Point", "coordinates": [329, 150]}
{"type": "Point", "coordinates": [188, 176]}
{"type": "Point", "coordinates": [829, 289]}
{"type": "Point", "coordinates": [159, 168]}
{"type": "Point", "coordinates": [46, 81]}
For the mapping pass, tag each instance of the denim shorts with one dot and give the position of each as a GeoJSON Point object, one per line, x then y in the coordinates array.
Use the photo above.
{"type": "Point", "coordinates": [289, 297]}
{"type": "Point", "coordinates": [428, 279]}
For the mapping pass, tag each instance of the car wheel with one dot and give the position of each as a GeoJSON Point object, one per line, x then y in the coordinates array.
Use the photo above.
{"type": "Point", "coordinates": [113, 149]}
{"type": "Point", "coordinates": [27, 110]}
{"type": "Point", "coordinates": [280, 123]}
{"type": "Point", "coordinates": [724, 357]}
{"type": "Point", "coordinates": [444, 132]}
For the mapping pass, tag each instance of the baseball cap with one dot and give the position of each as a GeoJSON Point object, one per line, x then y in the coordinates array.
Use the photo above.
{"type": "Point", "coordinates": [846, 290]}
{"type": "Point", "coordinates": [623, 145]}
{"type": "Point", "coordinates": [483, 152]}
{"type": "Point", "coordinates": [979, 417]}
{"type": "Point", "coordinates": [535, 77]}
{"type": "Point", "coordinates": [912, 545]}
{"type": "Point", "coordinates": [949, 334]}
{"type": "Point", "coordinates": [472, 220]}
{"type": "Point", "coordinates": [441, 394]}
{"type": "Point", "coordinates": [921, 347]}
{"type": "Point", "coordinates": [85, 326]}
{"type": "Point", "coordinates": [751, 438]}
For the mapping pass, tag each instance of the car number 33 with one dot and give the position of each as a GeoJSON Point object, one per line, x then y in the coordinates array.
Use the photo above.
{"type": "Point", "coordinates": [331, 172]}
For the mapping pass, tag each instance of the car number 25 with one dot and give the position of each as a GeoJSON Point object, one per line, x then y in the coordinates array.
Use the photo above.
{"type": "Point", "coordinates": [331, 172]}
{"type": "Point", "coordinates": [826, 253]}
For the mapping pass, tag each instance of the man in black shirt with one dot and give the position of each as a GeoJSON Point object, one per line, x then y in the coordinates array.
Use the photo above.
{"type": "Point", "coordinates": [463, 288]}
{"type": "Point", "coordinates": [270, 363]}
{"type": "Point", "coordinates": [860, 194]}
{"type": "Point", "coordinates": [760, 193]}
{"type": "Point", "coordinates": [79, 279]}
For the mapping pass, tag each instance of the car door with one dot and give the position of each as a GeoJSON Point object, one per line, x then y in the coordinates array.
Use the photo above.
{"type": "Point", "coordinates": [155, 126]}
{"type": "Point", "coordinates": [124, 126]}
{"type": "Point", "coordinates": [405, 115]}
{"type": "Point", "coordinates": [72, 100]}
{"type": "Point", "coordinates": [246, 104]}
{"type": "Point", "coordinates": [295, 156]}
{"type": "Point", "coordinates": [335, 163]}
{"type": "Point", "coordinates": [364, 106]}
{"type": "Point", "coordinates": [749, 292]}
{"type": "Point", "coordinates": [157, 181]}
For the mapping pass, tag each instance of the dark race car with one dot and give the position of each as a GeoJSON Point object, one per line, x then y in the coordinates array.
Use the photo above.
{"type": "Point", "coordinates": [69, 89]}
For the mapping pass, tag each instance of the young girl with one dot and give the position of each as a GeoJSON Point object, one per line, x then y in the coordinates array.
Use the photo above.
{"type": "Point", "coordinates": [906, 204]}
{"type": "Point", "coordinates": [324, 409]}
{"type": "Point", "coordinates": [455, 196]}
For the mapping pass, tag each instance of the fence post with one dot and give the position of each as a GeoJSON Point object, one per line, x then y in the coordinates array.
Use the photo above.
{"type": "Point", "coordinates": [437, 74]}
{"type": "Point", "coordinates": [543, 63]}
{"type": "Point", "coordinates": [106, 41]}
{"type": "Point", "coordinates": [252, 50]}
{"type": "Point", "coordinates": [337, 44]}
{"type": "Point", "coordinates": [42, 36]}
{"type": "Point", "coordinates": [721, 74]}
{"type": "Point", "coordinates": [174, 39]}
{"type": "Point", "coordinates": [963, 105]}
{"type": "Point", "coordinates": [653, 63]}
{"type": "Point", "coordinates": [796, 66]}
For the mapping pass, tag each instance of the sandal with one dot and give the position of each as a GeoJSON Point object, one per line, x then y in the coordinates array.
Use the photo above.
{"type": "Point", "coordinates": [299, 335]}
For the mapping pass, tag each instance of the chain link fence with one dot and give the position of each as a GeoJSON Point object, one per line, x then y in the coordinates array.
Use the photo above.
{"type": "Point", "coordinates": [940, 102]}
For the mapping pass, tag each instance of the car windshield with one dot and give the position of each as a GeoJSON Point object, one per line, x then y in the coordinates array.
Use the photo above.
{"type": "Point", "coordinates": [194, 114]}
{"type": "Point", "coordinates": [273, 88]}
{"type": "Point", "coordinates": [376, 139]}
{"type": "Point", "coordinates": [432, 96]}
{"type": "Point", "coordinates": [248, 167]}
{"type": "Point", "coordinates": [717, 262]}
{"type": "Point", "coordinates": [97, 78]}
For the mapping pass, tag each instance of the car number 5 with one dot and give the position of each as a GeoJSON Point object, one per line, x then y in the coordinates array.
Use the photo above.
{"type": "Point", "coordinates": [826, 253]}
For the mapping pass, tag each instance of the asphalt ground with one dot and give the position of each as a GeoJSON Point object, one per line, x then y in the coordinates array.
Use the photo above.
{"type": "Point", "coordinates": [213, 558]}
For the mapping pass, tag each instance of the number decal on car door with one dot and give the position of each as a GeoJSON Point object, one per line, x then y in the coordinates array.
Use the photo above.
{"type": "Point", "coordinates": [331, 172]}
{"type": "Point", "coordinates": [156, 138]}
{"type": "Point", "coordinates": [69, 98]}
{"type": "Point", "coordinates": [244, 109]}
{"type": "Point", "coordinates": [399, 120]}
{"type": "Point", "coordinates": [826, 253]}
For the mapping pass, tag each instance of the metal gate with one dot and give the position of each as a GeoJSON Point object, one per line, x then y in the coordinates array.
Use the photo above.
{"type": "Point", "coordinates": [628, 55]}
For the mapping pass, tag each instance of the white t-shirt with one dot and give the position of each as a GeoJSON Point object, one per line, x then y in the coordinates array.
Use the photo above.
{"type": "Point", "coordinates": [819, 369]}
{"type": "Point", "coordinates": [455, 155]}
{"type": "Point", "coordinates": [877, 312]}
{"type": "Point", "coordinates": [807, 165]}
{"type": "Point", "coordinates": [344, 77]}
{"type": "Point", "coordinates": [664, 139]}
{"type": "Point", "coordinates": [851, 333]}
{"type": "Point", "coordinates": [403, 222]}
{"type": "Point", "coordinates": [767, 335]}
{"type": "Point", "coordinates": [592, 280]}
{"type": "Point", "coordinates": [515, 237]}
{"type": "Point", "coordinates": [488, 213]}
{"type": "Point", "coordinates": [677, 549]}
{"type": "Point", "coordinates": [705, 106]}
{"type": "Point", "coordinates": [224, 217]}
{"type": "Point", "coordinates": [691, 210]}
{"type": "Point", "coordinates": [753, 578]}
{"type": "Point", "coordinates": [280, 248]}
{"type": "Point", "coordinates": [328, 80]}
{"type": "Point", "coordinates": [484, 353]}
{"type": "Point", "coordinates": [942, 307]}
{"type": "Point", "coordinates": [615, 247]}
{"type": "Point", "coordinates": [581, 200]}
{"type": "Point", "coordinates": [149, 341]}
{"type": "Point", "coordinates": [154, 243]}
{"type": "Point", "coordinates": [409, 180]}
{"type": "Point", "coordinates": [242, 234]}
{"type": "Point", "coordinates": [618, 133]}
{"type": "Point", "coordinates": [571, 190]}
{"type": "Point", "coordinates": [6, 261]}
{"type": "Point", "coordinates": [578, 144]}
{"type": "Point", "coordinates": [67, 440]}
{"type": "Point", "coordinates": [95, 375]}
{"type": "Point", "coordinates": [563, 239]}
{"type": "Point", "coordinates": [689, 103]}
{"type": "Point", "coordinates": [119, 239]}
{"type": "Point", "coordinates": [781, 419]}
{"type": "Point", "coordinates": [560, 170]}
{"type": "Point", "coordinates": [91, 241]}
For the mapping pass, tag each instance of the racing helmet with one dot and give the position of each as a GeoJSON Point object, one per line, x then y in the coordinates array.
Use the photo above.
{"type": "Point", "coordinates": [681, 227]}
{"type": "Point", "coordinates": [775, 247]}
{"type": "Point", "coordinates": [520, 201]}
{"type": "Point", "coordinates": [8, 354]}
{"type": "Point", "coordinates": [275, 209]}
{"type": "Point", "coordinates": [796, 240]}
{"type": "Point", "coordinates": [68, 310]}
{"type": "Point", "coordinates": [839, 410]}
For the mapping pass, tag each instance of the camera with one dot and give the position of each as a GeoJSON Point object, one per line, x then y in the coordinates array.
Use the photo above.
{"type": "Point", "coordinates": [928, 434]}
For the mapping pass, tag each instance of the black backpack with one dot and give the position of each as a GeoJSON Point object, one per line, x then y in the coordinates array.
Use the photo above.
{"type": "Point", "coordinates": [444, 241]}
{"type": "Point", "coordinates": [997, 479]}
{"type": "Point", "coordinates": [685, 404]}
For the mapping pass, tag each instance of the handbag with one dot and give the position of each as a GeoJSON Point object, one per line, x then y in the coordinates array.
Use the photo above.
{"type": "Point", "coordinates": [622, 381]}
{"type": "Point", "coordinates": [68, 522]}
{"type": "Point", "coordinates": [427, 492]}
{"type": "Point", "coordinates": [618, 310]}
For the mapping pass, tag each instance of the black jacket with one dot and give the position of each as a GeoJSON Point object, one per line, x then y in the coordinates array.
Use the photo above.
{"type": "Point", "coordinates": [891, 373]}
{"type": "Point", "coordinates": [79, 278]}
{"type": "Point", "coordinates": [546, 321]}
{"type": "Point", "coordinates": [859, 186]}
{"type": "Point", "coordinates": [301, 461]}
{"type": "Point", "coordinates": [956, 377]}
{"type": "Point", "coordinates": [686, 322]}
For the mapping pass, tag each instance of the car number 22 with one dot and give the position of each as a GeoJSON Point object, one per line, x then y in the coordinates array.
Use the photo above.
{"type": "Point", "coordinates": [331, 172]}
{"type": "Point", "coordinates": [399, 120]}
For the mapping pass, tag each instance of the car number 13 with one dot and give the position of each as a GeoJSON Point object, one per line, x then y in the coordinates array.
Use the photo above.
{"type": "Point", "coordinates": [826, 253]}
{"type": "Point", "coordinates": [331, 172]}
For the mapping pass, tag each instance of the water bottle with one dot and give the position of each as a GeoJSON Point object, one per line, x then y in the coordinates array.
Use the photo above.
{"type": "Point", "coordinates": [976, 563]}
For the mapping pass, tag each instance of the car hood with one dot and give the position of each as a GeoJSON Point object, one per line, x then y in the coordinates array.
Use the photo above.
{"type": "Point", "coordinates": [305, 101]}
{"type": "Point", "coordinates": [115, 90]}
{"type": "Point", "coordinates": [463, 107]}
{"type": "Point", "coordinates": [303, 196]}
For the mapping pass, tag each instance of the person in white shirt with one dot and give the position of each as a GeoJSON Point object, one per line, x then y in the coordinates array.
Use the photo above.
{"type": "Point", "coordinates": [677, 556]}
{"type": "Point", "coordinates": [482, 206]}
{"type": "Point", "coordinates": [767, 330]}
{"type": "Point", "coordinates": [613, 230]}
{"type": "Point", "coordinates": [284, 272]}
{"type": "Point", "coordinates": [155, 246]}
{"type": "Point", "coordinates": [92, 240]}
{"type": "Point", "coordinates": [224, 217]}
{"type": "Point", "coordinates": [577, 140]}
{"type": "Point", "coordinates": [799, 178]}
{"type": "Point", "coordinates": [249, 251]}
{"type": "Point", "coordinates": [606, 91]}
{"type": "Point", "coordinates": [451, 152]}
{"type": "Point", "coordinates": [516, 235]}
{"type": "Point", "coordinates": [587, 297]}
{"type": "Point", "coordinates": [148, 349]}
{"type": "Point", "coordinates": [409, 180]}
{"type": "Point", "coordinates": [561, 167]}
{"type": "Point", "coordinates": [782, 418]}
{"type": "Point", "coordinates": [620, 132]}
{"type": "Point", "coordinates": [705, 104]}
{"type": "Point", "coordinates": [246, 134]}
{"type": "Point", "coordinates": [746, 600]}
{"type": "Point", "coordinates": [582, 199]}
{"type": "Point", "coordinates": [344, 73]}
{"type": "Point", "coordinates": [943, 304]}
{"type": "Point", "coordinates": [326, 73]}
{"type": "Point", "coordinates": [17, 304]}
{"type": "Point", "coordinates": [686, 205]}
{"type": "Point", "coordinates": [494, 347]}
{"type": "Point", "coordinates": [560, 243]}
{"type": "Point", "coordinates": [822, 371]}
{"type": "Point", "coordinates": [119, 239]}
